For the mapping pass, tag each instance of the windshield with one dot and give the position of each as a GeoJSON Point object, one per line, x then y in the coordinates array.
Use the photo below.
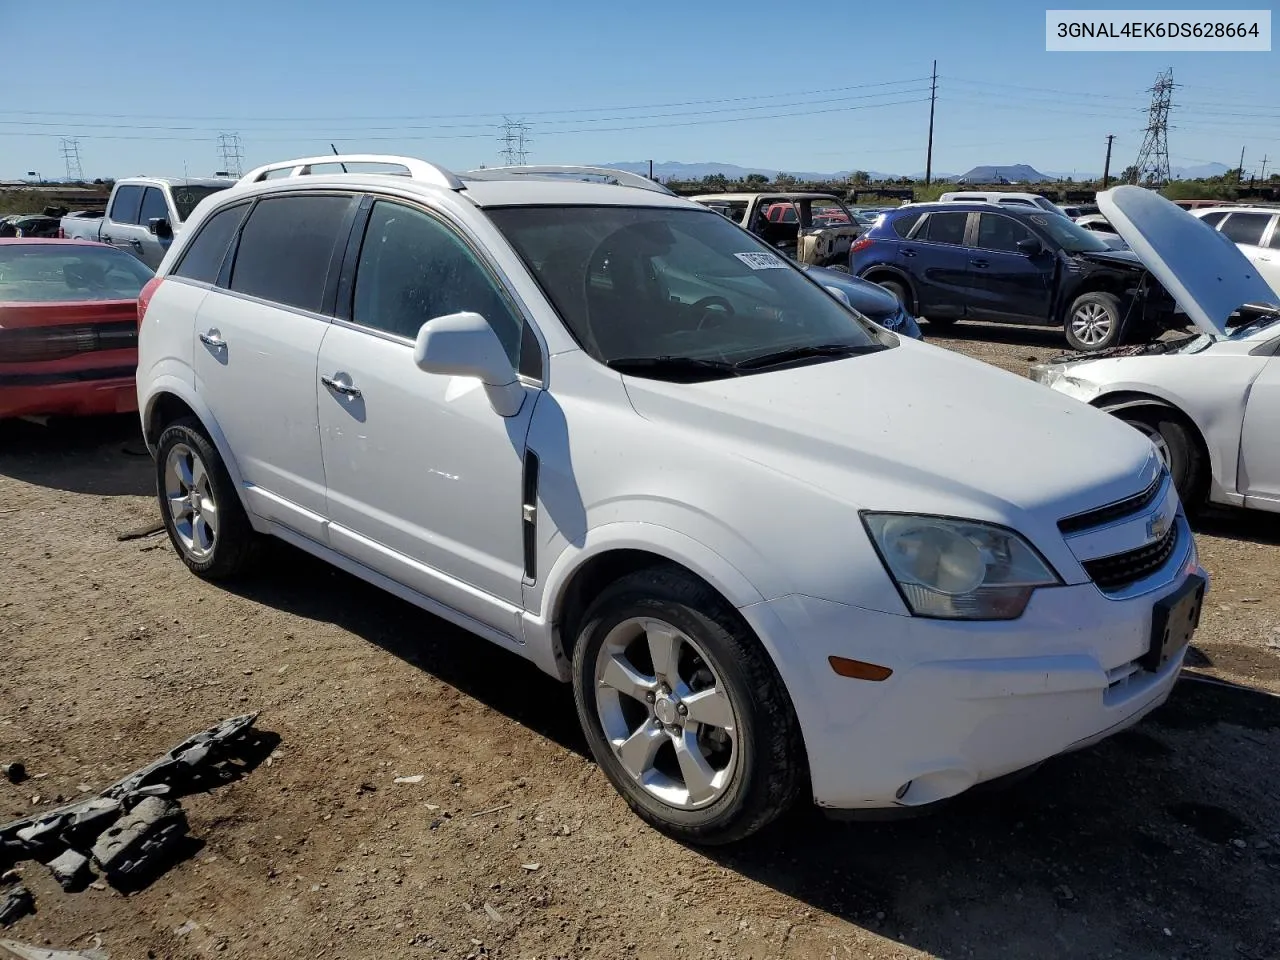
{"type": "Point", "coordinates": [36, 273]}
{"type": "Point", "coordinates": [186, 196]}
{"type": "Point", "coordinates": [656, 282]}
{"type": "Point", "coordinates": [1069, 235]}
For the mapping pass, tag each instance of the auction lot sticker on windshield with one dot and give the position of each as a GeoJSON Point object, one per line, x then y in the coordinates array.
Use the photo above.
{"type": "Point", "coordinates": [1236, 31]}
{"type": "Point", "coordinates": [762, 261]}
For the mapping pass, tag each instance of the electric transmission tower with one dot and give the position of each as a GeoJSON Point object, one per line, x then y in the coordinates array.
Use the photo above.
{"type": "Point", "coordinates": [71, 156]}
{"type": "Point", "coordinates": [231, 154]}
{"type": "Point", "coordinates": [515, 141]}
{"type": "Point", "coordinates": [1152, 165]}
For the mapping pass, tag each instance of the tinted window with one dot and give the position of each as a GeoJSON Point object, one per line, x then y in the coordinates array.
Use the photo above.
{"type": "Point", "coordinates": [1213, 219]}
{"type": "Point", "coordinates": [902, 225]}
{"type": "Point", "coordinates": [286, 248]}
{"type": "Point", "coordinates": [1246, 227]}
{"type": "Point", "coordinates": [124, 208]}
{"type": "Point", "coordinates": [1274, 242]}
{"type": "Point", "coordinates": [203, 257]}
{"type": "Point", "coordinates": [187, 196]}
{"type": "Point", "coordinates": [412, 268]}
{"type": "Point", "coordinates": [1000, 233]}
{"type": "Point", "coordinates": [153, 206]}
{"type": "Point", "coordinates": [945, 228]}
{"type": "Point", "coordinates": [35, 273]}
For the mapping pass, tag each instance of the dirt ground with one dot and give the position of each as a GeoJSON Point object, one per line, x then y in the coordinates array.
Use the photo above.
{"type": "Point", "coordinates": [1163, 842]}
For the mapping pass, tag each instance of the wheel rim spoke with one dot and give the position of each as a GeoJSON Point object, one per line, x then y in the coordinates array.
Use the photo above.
{"type": "Point", "coordinates": [179, 507]}
{"type": "Point", "coordinates": [624, 678]}
{"type": "Point", "coordinates": [636, 753]}
{"type": "Point", "coordinates": [664, 649]}
{"type": "Point", "coordinates": [209, 514]}
{"type": "Point", "coordinates": [710, 707]}
{"type": "Point", "coordinates": [699, 777]}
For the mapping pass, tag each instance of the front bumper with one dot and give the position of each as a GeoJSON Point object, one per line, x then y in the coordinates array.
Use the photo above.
{"type": "Point", "coordinates": [967, 702]}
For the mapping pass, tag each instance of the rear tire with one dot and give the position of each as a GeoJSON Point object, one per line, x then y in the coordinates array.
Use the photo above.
{"type": "Point", "coordinates": [898, 289]}
{"type": "Point", "coordinates": [202, 512]}
{"type": "Point", "coordinates": [1178, 447]}
{"type": "Point", "coordinates": [684, 710]}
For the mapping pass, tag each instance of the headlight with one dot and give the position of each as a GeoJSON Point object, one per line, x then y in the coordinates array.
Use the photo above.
{"type": "Point", "coordinates": [958, 569]}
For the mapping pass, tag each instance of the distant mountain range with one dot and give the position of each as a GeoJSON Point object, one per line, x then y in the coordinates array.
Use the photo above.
{"type": "Point", "coordinates": [987, 173]}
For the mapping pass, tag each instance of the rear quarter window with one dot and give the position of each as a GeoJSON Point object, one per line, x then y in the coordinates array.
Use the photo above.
{"type": "Point", "coordinates": [202, 260]}
{"type": "Point", "coordinates": [902, 225]}
{"type": "Point", "coordinates": [286, 249]}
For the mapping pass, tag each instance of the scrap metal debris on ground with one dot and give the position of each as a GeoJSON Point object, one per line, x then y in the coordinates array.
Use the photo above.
{"type": "Point", "coordinates": [130, 829]}
{"type": "Point", "coordinates": [9, 950]}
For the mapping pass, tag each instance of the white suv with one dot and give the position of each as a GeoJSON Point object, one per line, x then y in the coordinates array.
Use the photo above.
{"type": "Point", "coordinates": [776, 549]}
{"type": "Point", "coordinates": [1255, 230]}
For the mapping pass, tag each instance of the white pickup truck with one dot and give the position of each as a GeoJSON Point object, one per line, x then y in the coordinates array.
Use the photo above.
{"type": "Point", "coordinates": [144, 214]}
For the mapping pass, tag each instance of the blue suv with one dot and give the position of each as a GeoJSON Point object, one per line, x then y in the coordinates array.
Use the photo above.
{"type": "Point", "coordinates": [978, 261]}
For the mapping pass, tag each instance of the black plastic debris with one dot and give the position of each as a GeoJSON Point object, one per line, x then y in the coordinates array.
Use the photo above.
{"type": "Point", "coordinates": [70, 868]}
{"type": "Point", "coordinates": [139, 843]}
{"type": "Point", "coordinates": [15, 903]}
{"type": "Point", "coordinates": [13, 772]}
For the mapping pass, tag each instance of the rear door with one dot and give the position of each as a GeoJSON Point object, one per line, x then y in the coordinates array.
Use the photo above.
{"type": "Point", "coordinates": [936, 257]}
{"type": "Point", "coordinates": [1008, 284]}
{"type": "Point", "coordinates": [258, 335]}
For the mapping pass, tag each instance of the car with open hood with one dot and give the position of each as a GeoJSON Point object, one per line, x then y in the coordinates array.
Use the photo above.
{"type": "Point", "coordinates": [779, 552]}
{"type": "Point", "coordinates": [1209, 402]}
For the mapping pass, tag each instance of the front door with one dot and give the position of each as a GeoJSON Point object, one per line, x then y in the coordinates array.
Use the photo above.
{"type": "Point", "coordinates": [1008, 283]}
{"type": "Point", "coordinates": [1260, 437]}
{"type": "Point", "coordinates": [424, 479]}
{"type": "Point", "coordinates": [256, 347]}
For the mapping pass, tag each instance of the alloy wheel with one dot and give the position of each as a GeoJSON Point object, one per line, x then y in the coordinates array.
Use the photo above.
{"type": "Point", "coordinates": [192, 506]}
{"type": "Point", "coordinates": [666, 713]}
{"type": "Point", "coordinates": [1091, 324]}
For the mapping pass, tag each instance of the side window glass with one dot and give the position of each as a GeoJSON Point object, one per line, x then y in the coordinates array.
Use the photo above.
{"type": "Point", "coordinates": [153, 206]}
{"type": "Point", "coordinates": [412, 268]}
{"type": "Point", "coordinates": [286, 249]}
{"type": "Point", "coordinates": [124, 208]}
{"type": "Point", "coordinates": [203, 258]}
{"type": "Point", "coordinates": [1246, 227]}
{"type": "Point", "coordinates": [1274, 242]}
{"type": "Point", "coordinates": [902, 225]}
{"type": "Point", "coordinates": [1000, 233]}
{"type": "Point", "coordinates": [1213, 219]}
{"type": "Point", "coordinates": [945, 228]}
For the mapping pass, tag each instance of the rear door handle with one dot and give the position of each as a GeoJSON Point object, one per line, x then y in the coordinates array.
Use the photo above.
{"type": "Point", "coordinates": [213, 339]}
{"type": "Point", "coordinates": [343, 387]}
{"type": "Point", "coordinates": [908, 252]}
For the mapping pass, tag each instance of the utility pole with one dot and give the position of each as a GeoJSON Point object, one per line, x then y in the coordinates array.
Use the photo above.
{"type": "Point", "coordinates": [1240, 169]}
{"type": "Point", "coordinates": [1263, 175]}
{"type": "Point", "coordinates": [650, 169]}
{"type": "Point", "coordinates": [1106, 167]}
{"type": "Point", "coordinates": [933, 99]}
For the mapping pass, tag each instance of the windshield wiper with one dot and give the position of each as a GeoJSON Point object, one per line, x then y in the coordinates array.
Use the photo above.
{"type": "Point", "coordinates": [807, 351]}
{"type": "Point", "coordinates": [674, 366]}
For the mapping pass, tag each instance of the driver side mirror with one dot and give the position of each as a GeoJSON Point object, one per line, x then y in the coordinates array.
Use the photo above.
{"type": "Point", "coordinates": [160, 227]}
{"type": "Point", "coordinates": [464, 345]}
{"type": "Point", "coordinates": [1031, 246]}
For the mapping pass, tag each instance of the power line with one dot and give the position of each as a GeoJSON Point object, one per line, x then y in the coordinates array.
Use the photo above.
{"type": "Point", "coordinates": [230, 154]}
{"type": "Point", "coordinates": [71, 157]}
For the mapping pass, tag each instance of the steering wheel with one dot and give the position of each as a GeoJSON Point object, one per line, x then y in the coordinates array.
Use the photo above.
{"type": "Point", "coordinates": [704, 306]}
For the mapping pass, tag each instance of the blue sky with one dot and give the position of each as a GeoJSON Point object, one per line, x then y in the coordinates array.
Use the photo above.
{"type": "Point", "coordinates": [147, 86]}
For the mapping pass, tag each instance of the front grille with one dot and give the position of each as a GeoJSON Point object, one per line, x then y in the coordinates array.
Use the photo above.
{"type": "Point", "coordinates": [1113, 511]}
{"type": "Point", "coordinates": [1122, 569]}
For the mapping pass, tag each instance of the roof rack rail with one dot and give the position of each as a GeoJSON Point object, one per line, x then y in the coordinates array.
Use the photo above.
{"type": "Point", "coordinates": [415, 169]}
{"type": "Point", "coordinates": [624, 178]}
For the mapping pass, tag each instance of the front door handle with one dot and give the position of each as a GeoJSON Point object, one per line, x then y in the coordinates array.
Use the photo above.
{"type": "Point", "coordinates": [341, 386]}
{"type": "Point", "coordinates": [213, 339]}
{"type": "Point", "coordinates": [979, 263]}
{"type": "Point", "coordinates": [136, 243]}
{"type": "Point", "coordinates": [908, 252]}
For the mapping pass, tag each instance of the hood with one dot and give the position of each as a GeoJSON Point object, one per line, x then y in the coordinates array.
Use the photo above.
{"type": "Point", "coordinates": [915, 428]}
{"type": "Point", "coordinates": [869, 299]}
{"type": "Point", "coordinates": [1203, 270]}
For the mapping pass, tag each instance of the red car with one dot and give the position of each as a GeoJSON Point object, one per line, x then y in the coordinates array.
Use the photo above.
{"type": "Point", "coordinates": [68, 327]}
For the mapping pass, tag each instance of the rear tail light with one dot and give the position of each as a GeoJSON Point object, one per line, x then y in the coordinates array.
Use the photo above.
{"type": "Point", "coordinates": [861, 244]}
{"type": "Point", "coordinates": [26, 344]}
{"type": "Point", "coordinates": [144, 298]}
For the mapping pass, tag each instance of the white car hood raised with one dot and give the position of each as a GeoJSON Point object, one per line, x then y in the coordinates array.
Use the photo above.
{"type": "Point", "coordinates": [1203, 270]}
{"type": "Point", "coordinates": [917, 428]}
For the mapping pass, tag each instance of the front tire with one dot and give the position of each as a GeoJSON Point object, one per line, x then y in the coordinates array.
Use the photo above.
{"type": "Point", "coordinates": [203, 516]}
{"type": "Point", "coordinates": [1093, 322]}
{"type": "Point", "coordinates": [1177, 447]}
{"type": "Point", "coordinates": [683, 709]}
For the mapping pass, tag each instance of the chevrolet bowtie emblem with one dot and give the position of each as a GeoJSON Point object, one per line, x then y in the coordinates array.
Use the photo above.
{"type": "Point", "coordinates": [1158, 526]}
